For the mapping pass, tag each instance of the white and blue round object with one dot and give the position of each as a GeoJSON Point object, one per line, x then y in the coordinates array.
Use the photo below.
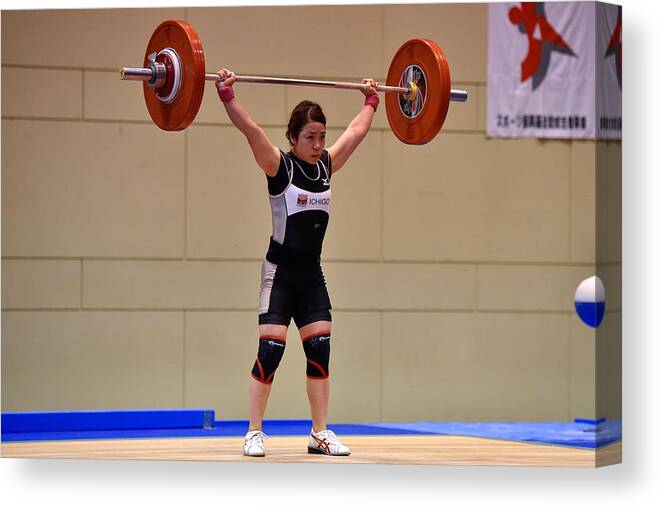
{"type": "Point", "coordinates": [590, 301]}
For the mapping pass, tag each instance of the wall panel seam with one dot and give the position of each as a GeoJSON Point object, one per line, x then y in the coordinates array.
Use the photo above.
{"type": "Point", "coordinates": [476, 304]}
{"type": "Point", "coordinates": [382, 199]}
{"type": "Point", "coordinates": [82, 284]}
{"type": "Point", "coordinates": [570, 203]}
{"type": "Point", "coordinates": [381, 372]}
{"type": "Point", "coordinates": [408, 311]}
{"type": "Point", "coordinates": [197, 124]}
{"type": "Point", "coordinates": [82, 95]}
{"type": "Point", "coordinates": [186, 173]}
{"type": "Point", "coordinates": [467, 263]}
{"type": "Point", "coordinates": [183, 361]}
{"type": "Point", "coordinates": [570, 377]}
{"type": "Point", "coordinates": [115, 70]}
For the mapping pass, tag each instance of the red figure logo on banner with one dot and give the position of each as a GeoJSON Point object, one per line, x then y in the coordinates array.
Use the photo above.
{"type": "Point", "coordinates": [615, 46]}
{"type": "Point", "coordinates": [542, 40]}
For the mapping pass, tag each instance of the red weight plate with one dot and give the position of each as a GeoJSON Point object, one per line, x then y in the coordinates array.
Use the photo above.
{"type": "Point", "coordinates": [183, 39]}
{"type": "Point", "coordinates": [423, 62]}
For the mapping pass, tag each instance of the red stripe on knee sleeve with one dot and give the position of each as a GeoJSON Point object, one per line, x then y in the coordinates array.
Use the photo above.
{"type": "Point", "coordinates": [261, 370]}
{"type": "Point", "coordinates": [324, 373]}
{"type": "Point", "coordinates": [316, 335]}
{"type": "Point", "coordinates": [261, 381]}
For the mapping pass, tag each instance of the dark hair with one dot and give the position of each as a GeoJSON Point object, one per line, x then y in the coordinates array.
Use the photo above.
{"type": "Point", "coordinates": [303, 113]}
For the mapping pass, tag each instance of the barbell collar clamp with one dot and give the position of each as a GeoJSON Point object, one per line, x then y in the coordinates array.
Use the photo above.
{"type": "Point", "coordinates": [159, 75]}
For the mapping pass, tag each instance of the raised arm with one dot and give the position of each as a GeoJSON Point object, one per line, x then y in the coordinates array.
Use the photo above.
{"type": "Point", "coordinates": [357, 129]}
{"type": "Point", "coordinates": [266, 155]}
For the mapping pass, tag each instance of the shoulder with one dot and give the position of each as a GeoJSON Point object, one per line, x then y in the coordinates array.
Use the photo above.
{"type": "Point", "coordinates": [281, 179]}
{"type": "Point", "coordinates": [286, 161]}
{"type": "Point", "coordinates": [280, 163]}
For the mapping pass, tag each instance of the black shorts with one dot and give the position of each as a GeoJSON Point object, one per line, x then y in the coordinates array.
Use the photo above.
{"type": "Point", "coordinates": [287, 292]}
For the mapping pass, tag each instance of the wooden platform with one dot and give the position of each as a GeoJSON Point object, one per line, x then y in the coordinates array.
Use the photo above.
{"type": "Point", "coordinates": [406, 449]}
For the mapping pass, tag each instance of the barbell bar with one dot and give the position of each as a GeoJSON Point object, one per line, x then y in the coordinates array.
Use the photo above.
{"type": "Point", "coordinates": [417, 86]}
{"type": "Point", "coordinates": [147, 74]}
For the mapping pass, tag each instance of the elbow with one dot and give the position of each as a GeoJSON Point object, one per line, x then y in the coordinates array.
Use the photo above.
{"type": "Point", "coordinates": [249, 129]}
{"type": "Point", "coordinates": [362, 133]}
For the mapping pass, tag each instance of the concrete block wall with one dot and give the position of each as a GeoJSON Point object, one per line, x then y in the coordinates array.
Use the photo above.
{"type": "Point", "coordinates": [131, 256]}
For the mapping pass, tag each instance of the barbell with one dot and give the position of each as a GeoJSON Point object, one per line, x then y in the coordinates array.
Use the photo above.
{"type": "Point", "coordinates": [173, 75]}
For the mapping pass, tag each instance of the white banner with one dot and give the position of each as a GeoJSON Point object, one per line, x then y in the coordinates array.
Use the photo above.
{"type": "Point", "coordinates": [554, 70]}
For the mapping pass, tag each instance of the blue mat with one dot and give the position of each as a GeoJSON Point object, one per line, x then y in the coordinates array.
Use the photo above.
{"type": "Point", "coordinates": [581, 433]}
{"type": "Point", "coordinates": [32, 422]}
{"type": "Point", "coordinates": [196, 423]}
{"type": "Point", "coordinates": [220, 429]}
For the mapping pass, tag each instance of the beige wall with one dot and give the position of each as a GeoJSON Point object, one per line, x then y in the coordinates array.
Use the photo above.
{"type": "Point", "coordinates": [131, 256]}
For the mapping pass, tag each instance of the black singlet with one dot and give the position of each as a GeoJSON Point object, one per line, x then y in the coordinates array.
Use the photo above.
{"type": "Point", "coordinates": [300, 198]}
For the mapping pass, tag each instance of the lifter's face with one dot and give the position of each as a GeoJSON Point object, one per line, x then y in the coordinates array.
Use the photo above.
{"type": "Point", "coordinates": [310, 142]}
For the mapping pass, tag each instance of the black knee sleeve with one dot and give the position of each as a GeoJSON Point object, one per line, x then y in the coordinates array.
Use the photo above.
{"type": "Point", "coordinates": [317, 350]}
{"type": "Point", "coordinates": [268, 358]}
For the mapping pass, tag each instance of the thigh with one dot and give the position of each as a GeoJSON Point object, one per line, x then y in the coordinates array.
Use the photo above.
{"type": "Point", "coordinates": [312, 303]}
{"type": "Point", "coordinates": [275, 296]}
{"type": "Point", "coordinates": [273, 330]}
{"type": "Point", "coordinates": [315, 329]}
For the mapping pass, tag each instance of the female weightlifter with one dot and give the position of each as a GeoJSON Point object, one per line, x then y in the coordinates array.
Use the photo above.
{"type": "Point", "coordinates": [292, 281]}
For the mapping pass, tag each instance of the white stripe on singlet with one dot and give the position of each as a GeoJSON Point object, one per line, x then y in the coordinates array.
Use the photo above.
{"type": "Point", "coordinates": [268, 274]}
{"type": "Point", "coordinates": [279, 205]}
{"type": "Point", "coordinates": [325, 168]}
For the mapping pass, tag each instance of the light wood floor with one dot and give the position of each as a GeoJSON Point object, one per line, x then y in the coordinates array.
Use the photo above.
{"type": "Point", "coordinates": [399, 449]}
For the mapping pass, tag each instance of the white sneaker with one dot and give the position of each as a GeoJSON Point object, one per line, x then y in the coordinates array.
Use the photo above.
{"type": "Point", "coordinates": [254, 443]}
{"type": "Point", "coordinates": [326, 442]}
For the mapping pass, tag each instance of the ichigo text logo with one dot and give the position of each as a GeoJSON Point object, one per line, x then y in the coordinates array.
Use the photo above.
{"type": "Point", "coordinates": [303, 200]}
{"type": "Point", "coordinates": [543, 41]}
{"type": "Point", "coordinates": [615, 46]}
